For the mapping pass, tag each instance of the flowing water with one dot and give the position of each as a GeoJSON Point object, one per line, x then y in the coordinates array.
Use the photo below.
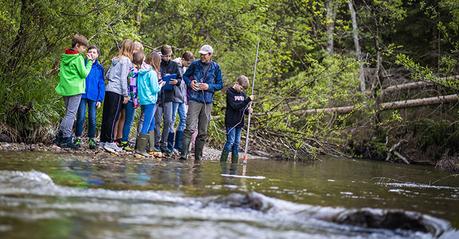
{"type": "Point", "coordinates": [64, 196]}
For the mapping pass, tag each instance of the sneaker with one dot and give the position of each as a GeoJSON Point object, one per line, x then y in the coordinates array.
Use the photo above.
{"type": "Point", "coordinates": [67, 142]}
{"type": "Point", "coordinates": [77, 142]}
{"type": "Point", "coordinates": [165, 150]}
{"type": "Point", "coordinates": [92, 143]}
{"type": "Point", "coordinates": [112, 147]}
{"type": "Point", "coordinates": [126, 146]}
{"type": "Point", "coordinates": [101, 145]}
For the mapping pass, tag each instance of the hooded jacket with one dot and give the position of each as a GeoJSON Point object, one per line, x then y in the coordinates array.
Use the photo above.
{"type": "Point", "coordinates": [211, 76]}
{"type": "Point", "coordinates": [117, 75]}
{"type": "Point", "coordinates": [147, 86]}
{"type": "Point", "coordinates": [72, 73]}
{"type": "Point", "coordinates": [95, 85]}
{"type": "Point", "coordinates": [236, 106]}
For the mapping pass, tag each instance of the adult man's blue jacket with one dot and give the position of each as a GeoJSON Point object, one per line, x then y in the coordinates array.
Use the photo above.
{"type": "Point", "coordinates": [95, 86]}
{"type": "Point", "coordinates": [212, 76]}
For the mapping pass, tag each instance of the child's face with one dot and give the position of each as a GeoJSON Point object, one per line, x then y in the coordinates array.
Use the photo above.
{"type": "Point", "coordinates": [80, 48]}
{"type": "Point", "coordinates": [94, 53]}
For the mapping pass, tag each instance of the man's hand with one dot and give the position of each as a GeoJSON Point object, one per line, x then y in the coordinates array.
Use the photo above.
{"type": "Point", "coordinates": [126, 100]}
{"type": "Point", "coordinates": [98, 104]}
{"type": "Point", "coordinates": [252, 97]}
{"type": "Point", "coordinates": [203, 86]}
{"type": "Point", "coordinates": [250, 110]}
{"type": "Point", "coordinates": [194, 85]}
{"type": "Point", "coordinates": [173, 82]}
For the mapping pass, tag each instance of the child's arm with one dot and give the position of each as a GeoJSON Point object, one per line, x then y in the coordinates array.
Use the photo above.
{"type": "Point", "coordinates": [101, 86]}
{"type": "Point", "coordinates": [154, 83]}
{"type": "Point", "coordinates": [83, 70]}
{"type": "Point", "coordinates": [236, 105]}
{"type": "Point", "coordinates": [124, 76]}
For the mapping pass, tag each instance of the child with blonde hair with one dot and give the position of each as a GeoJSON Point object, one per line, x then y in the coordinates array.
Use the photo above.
{"type": "Point", "coordinates": [116, 94]}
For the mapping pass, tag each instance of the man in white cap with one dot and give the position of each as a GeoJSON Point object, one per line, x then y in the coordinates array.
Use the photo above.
{"type": "Point", "coordinates": [203, 78]}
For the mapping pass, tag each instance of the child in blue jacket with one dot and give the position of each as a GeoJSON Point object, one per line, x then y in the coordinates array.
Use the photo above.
{"type": "Point", "coordinates": [92, 98]}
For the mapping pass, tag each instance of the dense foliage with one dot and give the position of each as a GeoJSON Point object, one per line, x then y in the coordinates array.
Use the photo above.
{"type": "Point", "coordinates": [295, 70]}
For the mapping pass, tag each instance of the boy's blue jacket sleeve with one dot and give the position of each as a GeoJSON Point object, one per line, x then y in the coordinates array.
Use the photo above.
{"type": "Point", "coordinates": [101, 86]}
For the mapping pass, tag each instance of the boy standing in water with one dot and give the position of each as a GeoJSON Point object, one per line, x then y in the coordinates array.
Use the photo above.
{"type": "Point", "coordinates": [72, 76]}
{"type": "Point", "coordinates": [237, 104]}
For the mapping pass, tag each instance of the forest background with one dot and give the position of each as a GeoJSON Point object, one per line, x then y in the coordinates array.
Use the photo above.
{"type": "Point", "coordinates": [313, 55]}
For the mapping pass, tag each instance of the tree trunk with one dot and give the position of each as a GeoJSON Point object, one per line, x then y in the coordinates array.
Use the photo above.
{"type": "Point", "coordinates": [331, 15]}
{"type": "Point", "coordinates": [17, 48]}
{"type": "Point", "coordinates": [390, 105]}
{"type": "Point", "coordinates": [358, 51]}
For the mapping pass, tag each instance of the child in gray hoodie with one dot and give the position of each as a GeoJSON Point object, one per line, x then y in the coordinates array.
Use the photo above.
{"type": "Point", "coordinates": [116, 94]}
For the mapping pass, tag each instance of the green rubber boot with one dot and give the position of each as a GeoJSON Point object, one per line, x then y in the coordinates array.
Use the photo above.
{"type": "Point", "coordinates": [141, 145]}
{"type": "Point", "coordinates": [224, 156]}
{"type": "Point", "coordinates": [234, 158]}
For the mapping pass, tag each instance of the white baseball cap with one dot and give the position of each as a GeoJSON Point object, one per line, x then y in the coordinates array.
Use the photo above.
{"type": "Point", "coordinates": [206, 49]}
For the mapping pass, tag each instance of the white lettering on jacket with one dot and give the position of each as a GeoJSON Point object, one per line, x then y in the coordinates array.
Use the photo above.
{"type": "Point", "coordinates": [239, 98]}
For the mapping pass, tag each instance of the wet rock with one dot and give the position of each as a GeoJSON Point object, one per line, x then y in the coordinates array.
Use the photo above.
{"type": "Point", "coordinates": [392, 220]}
{"type": "Point", "coordinates": [251, 200]}
{"type": "Point", "coordinates": [5, 138]}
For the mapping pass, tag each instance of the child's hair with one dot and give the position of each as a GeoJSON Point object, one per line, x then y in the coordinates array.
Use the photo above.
{"type": "Point", "coordinates": [243, 81]}
{"type": "Point", "coordinates": [138, 57]}
{"type": "Point", "coordinates": [154, 59]}
{"type": "Point", "coordinates": [127, 47]}
{"type": "Point", "coordinates": [166, 50]}
{"type": "Point", "coordinates": [94, 47]}
{"type": "Point", "coordinates": [79, 39]}
{"type": "Point", "coordinates": [138, 46]}
{"type": "Point", "coordinates": [188, 56]}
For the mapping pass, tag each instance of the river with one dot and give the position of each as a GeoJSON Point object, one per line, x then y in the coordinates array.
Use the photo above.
{"type": "Point", "coordinates": [45, 195]}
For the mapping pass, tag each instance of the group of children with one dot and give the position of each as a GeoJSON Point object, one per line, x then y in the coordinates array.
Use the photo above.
{"type": "Point", "coordinates": [152, 83]}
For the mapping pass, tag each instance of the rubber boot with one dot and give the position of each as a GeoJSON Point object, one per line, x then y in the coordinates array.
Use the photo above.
{"type": "Point", "coordinates": [234, 157]}
{"type": "Point", "coordinates": [141, 145]}
{"type": "Point", "coordinates": [185, 149]}
{"type": "Point", "coordinates": [224, 156]}
{"type": "Point", "coordinates": [151, 142]}
{"type": "Point", "coordinates": [233, 168]}
{"type": "Point", "coordinates": [170, 141]}
{"type": "Point", "coordinates": [179, 140]}
{"type": "Point", "coordinates": [223, 167]}
{"type": "Point", "coordinates": [198, 149]}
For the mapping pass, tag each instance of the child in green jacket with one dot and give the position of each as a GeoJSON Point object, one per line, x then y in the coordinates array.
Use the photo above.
{"type": "Point", "coordinates": [72, 75]}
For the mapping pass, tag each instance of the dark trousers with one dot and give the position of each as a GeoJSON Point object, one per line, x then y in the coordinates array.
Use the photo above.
{"type": "Point", "coordinates": [111, 112]}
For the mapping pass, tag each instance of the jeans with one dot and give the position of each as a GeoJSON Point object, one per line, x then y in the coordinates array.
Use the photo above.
{"type": "Point", "coordinates": [164, 112]}
{"type": "Point", "coordinates": [71, 107]}
{"type": "Point", "coordinates": [129, 118]}
{"type": "Point", "coordinates": [233, 139]}
{"type": "Point", "coordinates": [181, 108]}
{"type": "Point", "coordinates": [149, 118]}
{"type": "Point", "coordinates": [81, 115]}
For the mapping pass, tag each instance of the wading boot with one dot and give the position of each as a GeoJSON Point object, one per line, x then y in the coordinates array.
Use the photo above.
{"type": "Point", "coordinates": [178, 140]}
{"type": "Point", "coordinates": [185, 148]}
{"type": "Point", "coordinates": [198, 149]}
{"type": "Point", "coordinates": [170, 141]}
{"type": "Point", "coordinates": [234, 157]}
{"type": "Point", "coordinates": [141, 145]}
{"type": "Point", "coordinates": [224, 156]}
{"type": "Point", "coordinates": [151, 142]}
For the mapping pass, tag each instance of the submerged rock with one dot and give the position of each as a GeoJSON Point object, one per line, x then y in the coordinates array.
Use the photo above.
{"type": "Point", "coordinates": [364, 218]}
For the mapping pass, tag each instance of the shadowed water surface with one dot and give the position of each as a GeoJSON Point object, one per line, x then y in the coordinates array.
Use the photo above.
{"type": "Point", "coordinates": [63, 196]}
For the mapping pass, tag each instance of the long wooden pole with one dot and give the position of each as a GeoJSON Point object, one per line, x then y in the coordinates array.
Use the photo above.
{"type": "Point", "coordinates": [244, 161]}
